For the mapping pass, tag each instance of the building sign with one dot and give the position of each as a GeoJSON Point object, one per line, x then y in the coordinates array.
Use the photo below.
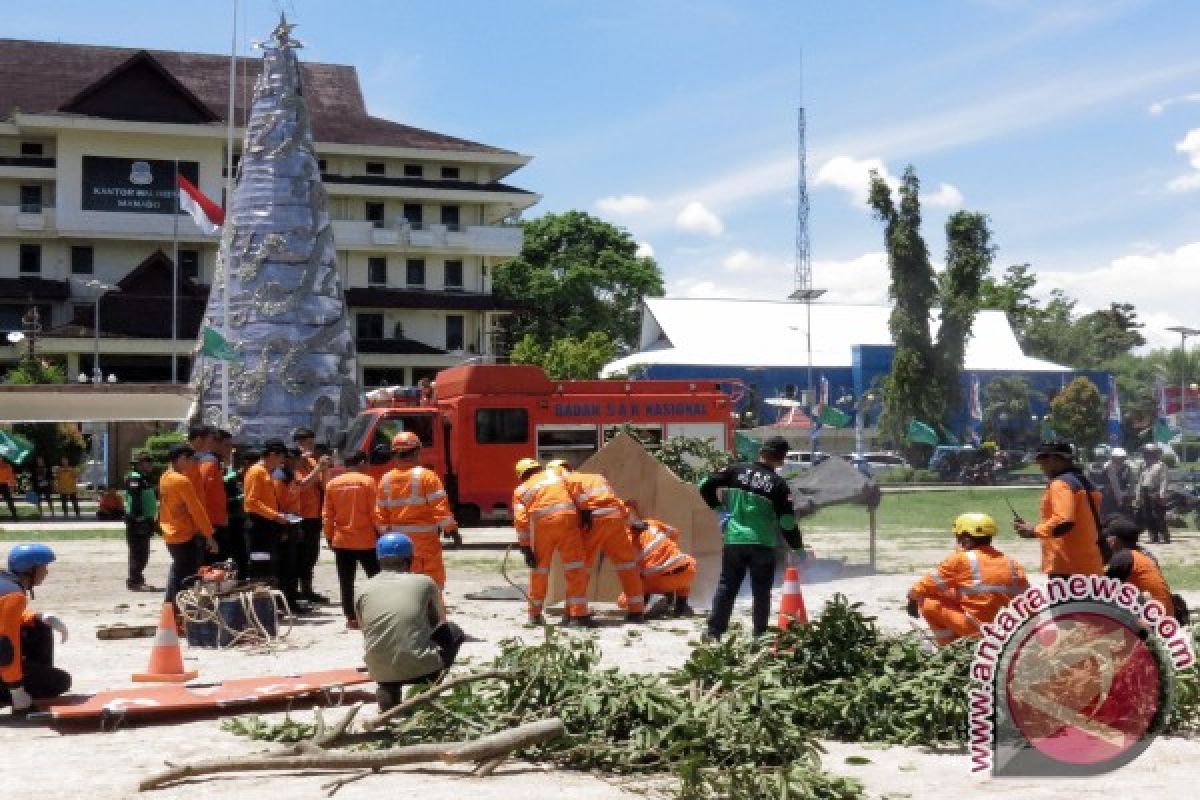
{"type": "Point", "coordinates": [132, 185]}
{"type": "Point", "coordinates": [632, 410]}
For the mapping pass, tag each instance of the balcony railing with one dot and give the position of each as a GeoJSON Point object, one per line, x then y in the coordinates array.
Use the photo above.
{"type": "Point", "coordinates": [36, 162]}
{"type": "Point", "coordinates": [491, 240]}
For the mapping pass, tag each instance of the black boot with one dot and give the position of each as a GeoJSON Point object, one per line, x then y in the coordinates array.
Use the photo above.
{"type": "Point", "coordinates": [635, 617]}
{"type": "Point", "coordinates": [579, 622]}
{"type": "Point", "coordinates": [681, 607]}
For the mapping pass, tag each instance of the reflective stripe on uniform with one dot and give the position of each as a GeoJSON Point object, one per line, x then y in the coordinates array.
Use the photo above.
{"type": "Point", "coordinates": [624, 565]}
{"type": "Point", "coordinates": [260, 556]}
{"type": "Point", "coordinates": [541, 570]}
{"type": "Point", "coordinates": [570, 565]}
{"type": "Point", "coordinates": [658, 539]}
{"type": "Point", "coordinates": [635, 600]}
{"type": "Point", "coordinates": [973, 561]}
{"type": "Point", "coordinates": [549, 480]}
{"type": "Point", "coordinates": [577, 601]}
{"type": "Point", "coordinates": [979, 587]}
{"type": "Point", "coordinates": [607, 512]}
{"type": "Point", "coordinates": [410, 528]}
{"type": "Point", "coordinates": [941, 584]}
{"type": "Point", "coordinates": [438, 495]}
{"type": "Point", "coordinates": [666, 565]}
{"type": "Point", "coordinates": [552, 509]}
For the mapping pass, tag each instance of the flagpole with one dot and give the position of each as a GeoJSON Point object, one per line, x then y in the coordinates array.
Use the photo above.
{"type": "Point", "coordinates": [228, 206]}
{"type": "Point", "coordinates": [175, 282]}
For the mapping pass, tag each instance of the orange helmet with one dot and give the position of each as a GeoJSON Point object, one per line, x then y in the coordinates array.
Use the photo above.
{"type": "Point", "coordinates": [404, 441]}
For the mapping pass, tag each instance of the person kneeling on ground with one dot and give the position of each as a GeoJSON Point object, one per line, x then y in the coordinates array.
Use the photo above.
{"type": "Point", "coordinates": [968, 589]}
{"type": "Point", "coordinates": [664, 568]}
{"type": "Point", "coordinates": [1133, 565]}
{"type": "Point", "coordinates": [407, 637]}
{"type": "Point", "coordinates": [27, 668]}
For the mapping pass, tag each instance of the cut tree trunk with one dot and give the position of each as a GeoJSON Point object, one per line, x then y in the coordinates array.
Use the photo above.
{"type": "Point", "coordinates": [371, 723]}
{"type": "Point", "coordinates": [483, 750]}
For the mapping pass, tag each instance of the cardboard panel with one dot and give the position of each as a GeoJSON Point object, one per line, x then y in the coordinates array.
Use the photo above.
{"type": "Point", "coordinates": [636, 475]}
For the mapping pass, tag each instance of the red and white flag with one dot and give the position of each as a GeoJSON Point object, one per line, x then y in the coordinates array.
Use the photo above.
{"type": "Point", "coordinates": [208, 215]}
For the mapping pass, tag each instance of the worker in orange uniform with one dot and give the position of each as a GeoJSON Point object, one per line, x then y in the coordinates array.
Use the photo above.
{"type": "Point", "coordinates": [1133, 565]}
{"type": "Point", "coordinates": [348, 520]}
{"type": "Point", "coordinates": [202, 439]}
{"type": "Point", "coordinates": [664, 568]}
{"type": "Point", "coordinates": [970, 587]}
{"type": "Point", "coordinates": [27, 668]}
{"type": "Point", "coordinates": [605, 529]}
{"type": "Point", "coordinates": [182, 519]}
{"type": "Point", "coordinates": [209, 477]}
{"type": "Point", "coordinates": [413, 501]}
{"type": "Point", "coordinates": [268, 525]}
{"type": "Point", "coordinates": [310, 476]}
{"type": "Point", "coordinates": [1069, 527]}
{"type": "Point", "coordinates": [8, 484]}
{"type": "Point", "coordinates": [547, 521]}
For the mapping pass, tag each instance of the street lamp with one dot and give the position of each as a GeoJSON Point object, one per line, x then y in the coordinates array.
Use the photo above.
{"type": "Point", "coordinates": [99, 287]}
{"type": "Point", "coordinates": [1184, 332]}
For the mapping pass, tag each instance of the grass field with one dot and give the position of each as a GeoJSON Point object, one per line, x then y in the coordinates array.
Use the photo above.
{"type": "Point", "coordinates": [51, 534]}
{"type": "Point", "coordinates": [917, 512]}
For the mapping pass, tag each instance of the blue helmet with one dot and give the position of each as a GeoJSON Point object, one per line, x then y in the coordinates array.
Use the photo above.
{"type": "Point", "coordinates": [394, 545]}
{"type": "Point", "coordinates": [24, 557]}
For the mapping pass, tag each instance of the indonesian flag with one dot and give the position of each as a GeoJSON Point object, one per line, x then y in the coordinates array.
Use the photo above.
{"type": "Point", "coordinates": [208, 215]}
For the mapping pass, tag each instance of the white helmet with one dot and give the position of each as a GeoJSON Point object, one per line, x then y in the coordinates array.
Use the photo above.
{"type": "Point", "coordinates": [1119, 452]}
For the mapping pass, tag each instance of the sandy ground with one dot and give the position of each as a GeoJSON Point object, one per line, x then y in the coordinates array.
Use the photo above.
{"type": "Point", "coordinates": [86, 588]}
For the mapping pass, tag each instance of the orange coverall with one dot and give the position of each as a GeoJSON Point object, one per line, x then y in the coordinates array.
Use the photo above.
{"type": "Point", "coordinates": [664, 568]}
{"type": "Point", "coordinates": [966, 591]}
{"type": "Point", "coordinates": [1067, 529]}
{"type": "Point", "coordinates": [305, 501]}
{"type": "Point", "coordinates": [13, 615]}
{"type": "Point", "coordinates": [212, 489]}
{"type": "Point", "coordinates": [413, 501]}
{"type": "Point", "coordinates": [349, 514]}
{"type": "Point", "coordinates": [181, 515]}
{"type": "Point", "coordinates": [547, 521]}
{"type": "Point", "coordinates": [609, 532]}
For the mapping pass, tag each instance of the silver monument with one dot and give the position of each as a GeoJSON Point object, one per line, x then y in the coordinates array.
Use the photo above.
{"type": "Point", "coordinates": [288, 357]}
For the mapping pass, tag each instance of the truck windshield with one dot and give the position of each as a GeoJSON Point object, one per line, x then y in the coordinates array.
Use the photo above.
{"type": "Point", "coordinates": [354, 437]}
{"type": "Point", "coordinates": [390, 425]}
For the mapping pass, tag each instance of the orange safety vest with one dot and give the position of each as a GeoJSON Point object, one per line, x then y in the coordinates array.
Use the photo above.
{"type": "Point", "coordinates": [349, 514]}
{"type": "Point", "coordinates": [981, 581]}
{"type": "Point", "coordinates": [13, 615]}
{"type": "Point", "coordinates": [413, 501]}
{"type": "Point", "coordinates": [1147, 577]}
{"type": "Point", "coordinates": [1068, 528]}
{"type": "Point", "coordinates": [658, 549]}
{"type": "Point", "coordinates": [594, 493]}
{"type": "Point", "coordinates": [542, 497]}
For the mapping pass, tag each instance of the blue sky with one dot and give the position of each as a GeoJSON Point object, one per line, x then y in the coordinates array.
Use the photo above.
{"type": "Point", "coordinates": [1075, 125]}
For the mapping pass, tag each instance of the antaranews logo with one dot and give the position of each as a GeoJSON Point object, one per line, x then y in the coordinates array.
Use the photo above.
{"type": "Point", "coordinates": [1074, 679]}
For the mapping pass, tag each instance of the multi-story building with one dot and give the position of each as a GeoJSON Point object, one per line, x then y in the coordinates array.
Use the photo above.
{"type": "Point", "coordinates": [90, 141]}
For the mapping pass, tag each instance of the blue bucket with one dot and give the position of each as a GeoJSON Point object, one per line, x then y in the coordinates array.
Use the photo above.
{"type": "Point", "coordinates": [230, 611]}
{"type": "Point", "coordinates": [264, 609]}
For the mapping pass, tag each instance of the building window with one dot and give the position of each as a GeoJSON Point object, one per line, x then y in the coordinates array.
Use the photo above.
{"type": "Point", "coordinates": [414, 214]}
{"type": "Point", "coordinates": [376, 168]}
{"type": "Point", "coordinates": [398, 330]}
{"type": "Point", "coordinates": [414, 171]}
{"type": "Point", "coordinates": [189, 264]}
{"type": "Point", "coordinates": [322, 167]}
{"type": "Point", "coordinates": [31, 199]}
{"type": "Point", "coordinates": [82, 260]}
{"type": "Point", "coordinates": [454, 331]}
{"type": "Point", "coordinates": [450, 173]}
{"type": "Point", "coordinates": [501, 425]}
{"type": "Point", "coordinates": [454, 275]}
{"type": "Point", "coordinates": [83, 313]}
{"type": "Point", "coordinates": [450, 217]}
{"type": "Point", "coordinates": [377, 271]}
{"type": "Point", "coordinates": [375, 214]}
{"type": "Point", "coordinates": [369, 326]}
{"type": "Point", "coordinates": [32, 149]}
{"type": "Point", "coordinates": [414, 272]}
{"type": "Point", "coordinates": [31, 259]}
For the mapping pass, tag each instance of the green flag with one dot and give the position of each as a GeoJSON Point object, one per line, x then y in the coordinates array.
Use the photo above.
{"type": "Point", "coordinates": [214, 345]}
{"type": "Point", "coordinates": [746, 446]}
{"type": "Point", "coordinates": [1162, 432]}
{"type": "Point", "coordinates": [921, 433]}
{"type": "Point", "coordinates": [834, 417]}
{"type": "Point", "coordinates": [14, 447]}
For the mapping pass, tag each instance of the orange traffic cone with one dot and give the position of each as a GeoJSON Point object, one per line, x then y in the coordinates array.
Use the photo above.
{"type": "Point", "coordinates": [166, 659]}
{"type": "Point", "coordinates": [791, 606]}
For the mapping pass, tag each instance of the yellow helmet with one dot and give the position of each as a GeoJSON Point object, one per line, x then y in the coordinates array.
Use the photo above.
{"type": "Point", "coordinates": [558, 463]}
{"type": "Point", "coordinates": [525, 465]}
{"type": "Point", "coordinates": [975, 524]}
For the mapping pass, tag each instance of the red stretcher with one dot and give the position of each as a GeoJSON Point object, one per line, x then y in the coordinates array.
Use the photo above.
{"type": "Point", "coordinates": [176, 699]}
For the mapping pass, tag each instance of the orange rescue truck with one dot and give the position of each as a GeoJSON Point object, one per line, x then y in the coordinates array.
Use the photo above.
{"type": "Point", "coordinates": [486, 417]}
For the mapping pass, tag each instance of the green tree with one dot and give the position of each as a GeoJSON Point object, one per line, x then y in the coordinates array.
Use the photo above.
{"type": "Point", "coordinates": [1077, 413]}
{"type": "Point", "coordinates": [1110, 333]}
{"type": "Point", "coordinates": [1011, 294]}
{"type": "Point", "coordinates": [1008, 411]}
{"type": "Point", "coordinates": [50, 440]}
{"type": "Point", "coordinates": [577, 274]}
{"type": "Point", "coordinates": [567, 358]}
{"type": "Point", "coordinates": [924, 381]}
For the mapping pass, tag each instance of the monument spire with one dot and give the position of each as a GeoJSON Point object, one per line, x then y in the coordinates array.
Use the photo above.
{"type": "Point", "coordinates": [289, 357]}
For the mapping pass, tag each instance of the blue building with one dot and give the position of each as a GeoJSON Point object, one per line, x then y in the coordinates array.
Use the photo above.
{"type": "Point", "coordinates": [764, 345]}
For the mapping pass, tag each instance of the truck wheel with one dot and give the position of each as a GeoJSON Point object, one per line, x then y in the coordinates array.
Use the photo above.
{"type": "Point", "coordinates": [468, 516]}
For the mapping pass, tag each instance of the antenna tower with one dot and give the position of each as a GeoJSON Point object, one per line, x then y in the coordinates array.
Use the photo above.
{"type": "Point", "coordinates": [803, 282]}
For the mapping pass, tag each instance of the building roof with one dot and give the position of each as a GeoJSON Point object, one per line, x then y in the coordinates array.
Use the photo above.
{"type": "Point", "coordinates": [757, 333]}
{"type": "Point", "coordinates": [53, 78]}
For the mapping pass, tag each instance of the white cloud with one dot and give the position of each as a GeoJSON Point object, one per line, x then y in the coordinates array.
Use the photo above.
{"type": "Point", "coordinates": [756, 275]}
{"type": "Point", "coordinates": [860, 281]}
{"type": "Point", "coordinates": [946, 196]}
{"type": "Point", "coordinates": [742, 261]}
{"type": "Point", "coordinates": [645, 250]}
{"type": "Point", "coordinates": [624, 205]}
{"type": "Point", "coordinates": [696, 287]}
{"type": "Point", "coordinates": [1161, 285]}
{"type": "Point", "coordinates": [1189, 146]}
{"type": "Point", "coordinates": [696, 218]}
{"type": "Point", "coordinates": [1160, 106]}
{"type": "Point", "coordinates": [852, 175]}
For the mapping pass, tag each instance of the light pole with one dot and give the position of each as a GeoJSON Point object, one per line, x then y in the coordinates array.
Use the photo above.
{"type": "Point", "coordinates": [1184, 332]}
{"type": "Point", "coordinates": [99, 287]}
